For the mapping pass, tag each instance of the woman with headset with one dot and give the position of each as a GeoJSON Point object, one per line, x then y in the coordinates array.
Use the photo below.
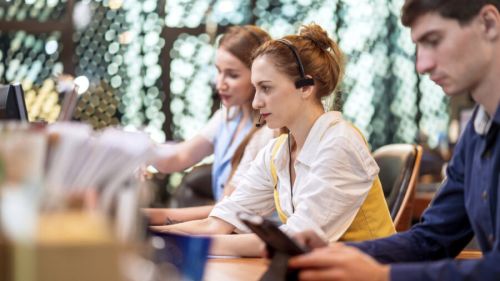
{"type": "Point", "coordinates": [230, 132]}
{"type": "Point", "coordinates": [320, 175]}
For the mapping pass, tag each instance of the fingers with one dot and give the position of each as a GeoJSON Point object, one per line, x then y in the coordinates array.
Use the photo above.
{"type": "Point", "coordinates": [338, 262]}
{"type": "Point", "coordinates": [321, 274]}
{"type": "Point", "coordinates": [323, 257]}
{"type": "Point", "coordinates": [313, 260]}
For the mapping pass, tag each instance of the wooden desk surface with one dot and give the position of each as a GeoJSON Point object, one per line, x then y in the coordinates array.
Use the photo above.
{"type": "Point", "coordinates": [244, 269]}
{"type": "Point", "coordinates": [470, 255]}
{"type": "Point", "coordinates": [251, 269]}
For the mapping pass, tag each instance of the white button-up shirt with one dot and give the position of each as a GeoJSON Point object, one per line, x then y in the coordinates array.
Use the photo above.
{"type": "Point", "coordinates": [334, 173]}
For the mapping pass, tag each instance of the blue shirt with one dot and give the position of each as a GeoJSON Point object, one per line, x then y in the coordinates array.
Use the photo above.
{"type": "Point", "coordinates": [466, 205]}
{"type": "Point", "coordinates": [224, 150]}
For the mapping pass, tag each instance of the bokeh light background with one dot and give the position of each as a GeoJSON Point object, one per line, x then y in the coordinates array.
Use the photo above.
{"type": "Point", "coordinates": [149, 63]}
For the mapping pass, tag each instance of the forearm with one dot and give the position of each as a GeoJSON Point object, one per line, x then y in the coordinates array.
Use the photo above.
{"type": "Point", "coordinates": [207, 226]}
{"type": "Point", "coordinates": [484, 269]}
{"type": "Point", "coordinates": [172, 163]}
{"type": "Point", "coordinates": [180, 156]}
{"type": "Point", "coordinates": [247, 245]}
{"type": "Point", "coordinates": [162, 216]}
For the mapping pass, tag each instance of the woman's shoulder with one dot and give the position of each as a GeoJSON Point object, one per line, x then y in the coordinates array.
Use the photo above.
{"type": "Point", "coordinates": [343, 140]}
{"type": "Point", "coordinates": [210, 130]}
{"type": "Point", "coordinates": [336, 127]}
{"type": "Point", "coordinates": [264, 135]}
{"type": "Point", "coordinates": [218, 115]}
{"type": "Point", "coordinates": [225, 113]}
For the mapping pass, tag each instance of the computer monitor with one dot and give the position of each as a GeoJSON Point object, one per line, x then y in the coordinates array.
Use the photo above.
{"type": "Point", "coordinates": [12, 105]}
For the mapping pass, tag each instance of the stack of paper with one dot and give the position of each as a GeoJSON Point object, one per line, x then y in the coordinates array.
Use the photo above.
{"type": "Point", "coordinates": [67, 160]}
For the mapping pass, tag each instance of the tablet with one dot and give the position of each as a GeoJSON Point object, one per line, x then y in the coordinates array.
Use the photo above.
{"type": "Point", "coordinates": [275, 239]}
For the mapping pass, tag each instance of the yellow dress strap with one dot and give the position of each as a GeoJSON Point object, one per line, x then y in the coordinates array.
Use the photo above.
{"type": "Point", "coordinates": [359, 132]}
{"type": "Point", "coordinates": [281, 139]}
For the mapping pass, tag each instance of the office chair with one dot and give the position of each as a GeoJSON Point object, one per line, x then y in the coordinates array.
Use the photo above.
{"type": "Point", "coordinates": [399, 167]}
{"type": "Point", "coordinates": [195, 188]}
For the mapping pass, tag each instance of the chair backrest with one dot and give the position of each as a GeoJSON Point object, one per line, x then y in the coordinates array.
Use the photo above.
{"type": "Point", "coordinates": [195, 188]}
{"type": "Point", "coordinates": [399, 166]}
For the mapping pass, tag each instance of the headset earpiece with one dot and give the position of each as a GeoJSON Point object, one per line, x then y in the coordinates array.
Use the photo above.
{"type": "Point", "coordinates": [303, 80]}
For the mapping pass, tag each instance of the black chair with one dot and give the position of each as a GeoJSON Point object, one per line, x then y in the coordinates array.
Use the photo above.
{"type": "Point", "coordinates": [195, 188]}
{"type": "Point", "coordinates": [399, 166]}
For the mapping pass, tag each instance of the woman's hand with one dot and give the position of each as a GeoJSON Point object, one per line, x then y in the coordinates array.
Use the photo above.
{"type": "Point", "coordinates": [157, 216]}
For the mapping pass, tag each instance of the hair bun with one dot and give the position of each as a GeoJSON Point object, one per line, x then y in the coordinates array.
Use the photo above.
{"type": "Point", "coordinates": [317, 35]}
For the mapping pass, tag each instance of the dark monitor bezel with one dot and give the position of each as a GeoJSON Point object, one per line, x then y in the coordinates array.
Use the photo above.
{"type": "Point", "coordinates": [14, 91]}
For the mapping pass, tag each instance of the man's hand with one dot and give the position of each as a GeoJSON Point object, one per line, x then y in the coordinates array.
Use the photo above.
{"type": "Point", "coordinates": [339, 262]}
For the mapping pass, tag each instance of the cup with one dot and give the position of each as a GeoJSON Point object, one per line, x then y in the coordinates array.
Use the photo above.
{"type": "Point", "coordinates": [188, 254]}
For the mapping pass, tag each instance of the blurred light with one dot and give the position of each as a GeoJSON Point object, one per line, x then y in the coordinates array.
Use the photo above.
{"type": "Point", "coordinates": [82, 15]}
{"type": "Point", "coordinates": [83, 84]}
{"type": "Point", "coordinates": [116, 81]}
{"type": "Point", "coordinates": [115, 4]}
{"type": "Point", "coordinates": [226, 6]}
{"type": "Point", "coordinates": [125, 37]}
{"type": "Point", "coordinates": [51, 47]}
{"type": "Point", "coordinates": [52, 3]}
{"type": "Point", "coordinates": [151, 169]}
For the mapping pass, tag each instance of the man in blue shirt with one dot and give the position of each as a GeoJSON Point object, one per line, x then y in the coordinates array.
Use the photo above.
{"type": "Point", "coordinates": [458, 44]}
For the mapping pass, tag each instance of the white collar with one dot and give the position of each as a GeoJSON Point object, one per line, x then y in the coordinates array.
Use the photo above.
{"type": "Point", "coordinates": [482, 121]}
{"type": "Point", "coordinates": [308, 152]}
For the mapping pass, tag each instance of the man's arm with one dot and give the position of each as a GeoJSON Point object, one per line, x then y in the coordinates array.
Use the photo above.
{"type": "Point", "coordinates": [340, 262]}
{"type": "Point", "coordinates": [445, 228]}
{"type": "Point", "coordinates": [484, 269]}
{"type": "Point", "coordinates": [442, 234]}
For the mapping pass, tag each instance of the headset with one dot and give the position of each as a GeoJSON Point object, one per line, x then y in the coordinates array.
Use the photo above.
{"type": "Point", "coordinates": [299, 83]}
{"type": "Point", "coordinates": [303, 80]}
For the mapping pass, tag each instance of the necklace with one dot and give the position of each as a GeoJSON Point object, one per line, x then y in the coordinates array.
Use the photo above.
{"type": "Point", "coordinates": [290, 172]}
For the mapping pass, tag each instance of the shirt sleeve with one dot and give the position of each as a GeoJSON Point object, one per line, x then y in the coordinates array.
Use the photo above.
{"type": "Point", "coordinates": [210, 130]}
{"type": "Point", "coordinates": [339, 179]}
{"type": "Point", "coordinates": [484, 269]}
{"type": "Point", "coordinates": [443, 232]}
{"type": "Point", "coordinates": [254, 194]}
{"type": "Point", "coordinates": [258, 141]}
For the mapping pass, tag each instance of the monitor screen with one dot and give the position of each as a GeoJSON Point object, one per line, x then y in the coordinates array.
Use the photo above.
{"type": "Point", "coordinates": [12, 105]}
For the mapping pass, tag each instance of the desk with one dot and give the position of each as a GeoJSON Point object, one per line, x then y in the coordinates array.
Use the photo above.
{"type": "Point", "coordinates": [469, 255]}
{"type": "Point", "coordinates": [244, 269]}
{"type": "Point", "coordinates": [251, 269]}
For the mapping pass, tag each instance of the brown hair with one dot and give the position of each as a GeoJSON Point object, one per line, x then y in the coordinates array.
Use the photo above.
{"type": "Point", "coordinates": [461, 10]}
{"type": "Point", "coordinates": [240, 151]}
{"type": "Point", "coordinates": [242, 41]}
{"type": "Point", "coordinates": [320, 56]}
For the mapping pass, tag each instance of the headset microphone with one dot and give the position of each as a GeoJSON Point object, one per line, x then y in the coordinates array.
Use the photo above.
{"type": "Point", "coordinates": [258, 124]}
